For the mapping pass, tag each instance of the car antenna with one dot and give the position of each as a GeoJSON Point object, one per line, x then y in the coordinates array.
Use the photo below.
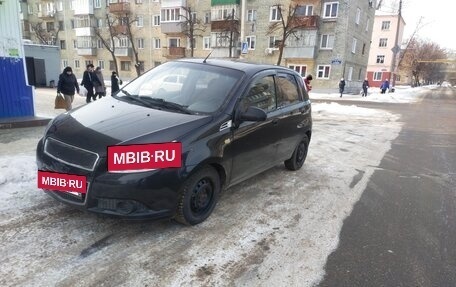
{"type": "Point", "coordinates": [204, 61]}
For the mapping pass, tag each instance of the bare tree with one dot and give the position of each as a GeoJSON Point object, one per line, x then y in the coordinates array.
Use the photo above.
{"type": "Point", "coordinates": [192, 27]}
{"type": "Point", "coordinates": [45, 35]}
{"type": "Point", "coordinates": [424, 61]}
{"type": "Point", "coordinates": [108, 39]}
{"type": "Point", "coordinates": [231, 31]}
{"type": "Point", "coordinates": [129, 20]}
{"type": "Point", "coordinates": [288, 25]}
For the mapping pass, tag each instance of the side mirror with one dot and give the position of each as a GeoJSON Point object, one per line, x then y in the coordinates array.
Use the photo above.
{"type": "Point", "coordinates": [253, 114]}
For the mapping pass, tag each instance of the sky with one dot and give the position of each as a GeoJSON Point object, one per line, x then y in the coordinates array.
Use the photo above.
{"type": "Point", "coordinates": [347, 141]}
{"type": "Point", "coordinates": [437, 19]}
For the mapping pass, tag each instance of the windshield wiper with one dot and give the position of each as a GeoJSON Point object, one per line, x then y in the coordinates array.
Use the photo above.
{"type": "Point", "coordinates": [165, 104]}
{"type": "Point", "coordinates": [137, 99]}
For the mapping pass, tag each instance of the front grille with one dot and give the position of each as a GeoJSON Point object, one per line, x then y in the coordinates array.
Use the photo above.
{"type": "Point", "coordinates": [70, 155]}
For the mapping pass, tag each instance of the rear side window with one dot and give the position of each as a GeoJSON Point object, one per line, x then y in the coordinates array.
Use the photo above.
{"type": "Point", "coordinates": [287, 90]}
{"type": "Point", "coordinates": [261, 94]}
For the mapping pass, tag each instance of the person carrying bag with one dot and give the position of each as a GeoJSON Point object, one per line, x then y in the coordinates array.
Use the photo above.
{"type": "Point", "coordinates": [66, 89]}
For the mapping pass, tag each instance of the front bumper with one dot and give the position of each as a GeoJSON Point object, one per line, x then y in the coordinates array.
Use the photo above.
{"type": "Point", "coordinates": [152, 194]}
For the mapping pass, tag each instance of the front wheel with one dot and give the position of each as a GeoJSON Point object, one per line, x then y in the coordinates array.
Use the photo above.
{"type": "Point", "coordinates": [299, 155]}
{"type": "Point", "coordinates": [198, 196]}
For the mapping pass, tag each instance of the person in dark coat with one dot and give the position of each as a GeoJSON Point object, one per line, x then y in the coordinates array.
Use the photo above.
{"type": "Point", "coordinates": [341, 86]}
{"type": "Point", "coordinates": [88, 80]}
{"type": "Point", "coordinates": [115, 82]}
{"type": "Point", "coordinates": [100, 90]}
{"type": "Point", "coordinates": [365, 87]}
{"type": "Point", "coordinates": [385, 86]}
{"type": "Point", "coordinates": [67, 85]}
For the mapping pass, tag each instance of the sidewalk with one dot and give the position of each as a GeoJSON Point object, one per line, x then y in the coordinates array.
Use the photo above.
{"type": "Point", "coordinates": [44, 109]}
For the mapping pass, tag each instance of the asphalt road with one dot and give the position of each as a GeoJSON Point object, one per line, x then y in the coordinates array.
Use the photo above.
{"type": "Point", "coordinates": [402, 232]}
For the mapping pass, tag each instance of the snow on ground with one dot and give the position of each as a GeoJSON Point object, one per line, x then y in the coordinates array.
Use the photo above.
{"type": "Point", "coordinates": [275, 229]}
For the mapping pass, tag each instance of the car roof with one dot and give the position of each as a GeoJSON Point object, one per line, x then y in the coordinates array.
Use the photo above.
{"type": "Point", "coordinates": [247, 67]}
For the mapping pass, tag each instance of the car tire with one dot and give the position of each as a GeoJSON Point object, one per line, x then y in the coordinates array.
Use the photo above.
{"type": "Point", "coordinates": [299, 155]}
{"type": "Point", "coordinates": [198, 196]}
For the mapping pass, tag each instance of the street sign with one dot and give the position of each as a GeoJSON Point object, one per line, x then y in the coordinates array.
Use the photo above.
{"type": "Point", "coordinates": [244, 48]}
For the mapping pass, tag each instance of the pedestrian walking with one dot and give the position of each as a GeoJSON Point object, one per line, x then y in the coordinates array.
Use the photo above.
{"type": "Point", "coordinates": [88, 80]}
{"type": "Point", "coordinates": [115, 82]}
{"type": "Point", "coordinates": [384, 86]}
{"type": "Point", "coordinates": [307, 82]}
{"type": "Point", "coordinates": [100, 88]}
{"type": "Point", "coordinates": [67, 85]}
{"type": "Point", "coordinates": [365, 87]}
{"type": "Point", "coordinates": [341, 86]}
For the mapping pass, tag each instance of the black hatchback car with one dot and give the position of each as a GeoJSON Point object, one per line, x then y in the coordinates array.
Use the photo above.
{"type": "Point", "coordinates": [208, 124]}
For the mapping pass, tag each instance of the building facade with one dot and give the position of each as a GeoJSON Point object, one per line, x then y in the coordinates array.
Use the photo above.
{"type": "Point", "coordinates": [383, 57]}
{"type": "Point", "coordinates": [332, 39]}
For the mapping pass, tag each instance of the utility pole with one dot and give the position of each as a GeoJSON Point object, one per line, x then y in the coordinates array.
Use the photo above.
{"type": "Point", "coordinates": [396, 49]}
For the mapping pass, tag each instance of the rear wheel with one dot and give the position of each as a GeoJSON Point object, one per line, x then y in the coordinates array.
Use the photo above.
{"type": "Point", "coordinates": [198, 196]}
{"type": "Point", "coordinates": [299, 155]}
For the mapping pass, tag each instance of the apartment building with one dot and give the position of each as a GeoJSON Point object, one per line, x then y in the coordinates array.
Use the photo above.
{"type": "Point", "coordinates": [383, 56]}
{"type": "Point", "coordinates": [332, 41]}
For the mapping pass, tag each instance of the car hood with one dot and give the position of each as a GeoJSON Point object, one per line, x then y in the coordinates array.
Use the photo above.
{"type": "Point", "coordinates": [112, 122]}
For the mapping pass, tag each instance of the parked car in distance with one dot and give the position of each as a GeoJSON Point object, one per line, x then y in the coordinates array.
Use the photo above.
{"type": "Point", "coordinates": [230, 120]}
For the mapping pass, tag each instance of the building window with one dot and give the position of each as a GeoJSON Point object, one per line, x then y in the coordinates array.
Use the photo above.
{"type": "Point", "coordinates": [386, 25]}
{"type": "Point", "coordinates": [170, 15]}
{"type": "Point", "coordinates": [157, 44]}
{"type": "Point", "coordinates": [302, 70]}
{"type": "Point", "coordinates": [125, 65]}
{"type": "Point", "coordinates": [97, 3]}
{"type": "Point", "coordinates": [62, 44]}
{"type": "Point", "coordinates": [99, 23]}
{"type": "Point", "coordinates": [304, 10]}
{"type": "Point", "coordinates": [219, 40]}
{"type": "Point", "coordinates": [350, 73]}
{"type": "Point", "coordinates": [77, 65]}
{"type": "Point", "coordinates": [64, 63]}
{"type": "Point", "coordinates": [380, 59]}
{"type": "Point", "coordinates": [72, 24]}
{"type": "Point", "coordinates": [323, 71]}
{"type": "Point", "coordinates": [377, 76]}
{"type": "Point", "coordinates": [139, 21]}
{"type": "Point", "coordinates": [251, 40]}
{"type": "Point", "coordinates": [367, 24]}
{"type": "Point", "coordinates": [364, 48]}
{"type": "Point", "coordinates": [251, 15]}
{"type": "Point", "coordinates": [61, 26]}
{"type": "Point", "coordinates": [140, 43]}
{"type": "Point", "coordinates": [156, 20]}
{"type": "Point", "coordinates": [330, 10]}
{"type": "Point", "coordinates": [358, 16]}
{"type": "Point", "coordinates": [206, 43]}
{"type": "Point", "coordinates": [100, 63]}
{"type": "Point", "coordinates": [174, 42]}
{"type": "Point", "coordinates": [327, 41]}
{"type": "Point", "coordinates": [274, 14]}
{"type": "Point", "coordinates": [156, 63]}
{"type": "Point", "coordinates": [273, 42]}
{"type": "Point", "coordinates": [189, 43]}
{"type": "Point", "coordinates": [99, 44]}
{"type": "Point", "coordinates": [223, 12]}
{"type": "Point", "coordinates": [354, 43]}
{"type": "Point", "coordinates": [75, 44]}
{"type": "Point", "coordinates": [383, 42]}
{"type": "Point", "coordinates": [50, 26]}
{"type": "Point", "coordinates": [207, 17]}
{"type": "Point", "coordinates": [112, 66]}
{"type": "Point", "coordinates": [138, 1]}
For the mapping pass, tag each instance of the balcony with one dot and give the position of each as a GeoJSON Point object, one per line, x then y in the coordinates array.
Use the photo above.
{"type": "Point", "coordinates": [224, 25]}
{"type": "Point", "coordinates": [119, 29]}
{"type": "Point", "coordinates": [119, 8]}
{"type": "Point", "coordinates": [172, 27]}
{"type": "Point", "coordinates": [306, 52]}
{"type": "Point", "coordinates": [123, 52]}
{"type": "Point", "coordinates": [306, 22]}
{"type": "Point", "coordinates": [84, 32]}
{"type": "Point", "coordinates": [173, 3]}
{"type": "Point", "coordinates": [45, 14]}
{"type": "Point", "coordinates": [87, 51]}
{"type": "Point", "coordinates": [173, 52]}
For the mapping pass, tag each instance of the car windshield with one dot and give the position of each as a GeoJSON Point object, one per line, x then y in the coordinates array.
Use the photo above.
{"type": "Point", "coordinates": [182, 87]}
